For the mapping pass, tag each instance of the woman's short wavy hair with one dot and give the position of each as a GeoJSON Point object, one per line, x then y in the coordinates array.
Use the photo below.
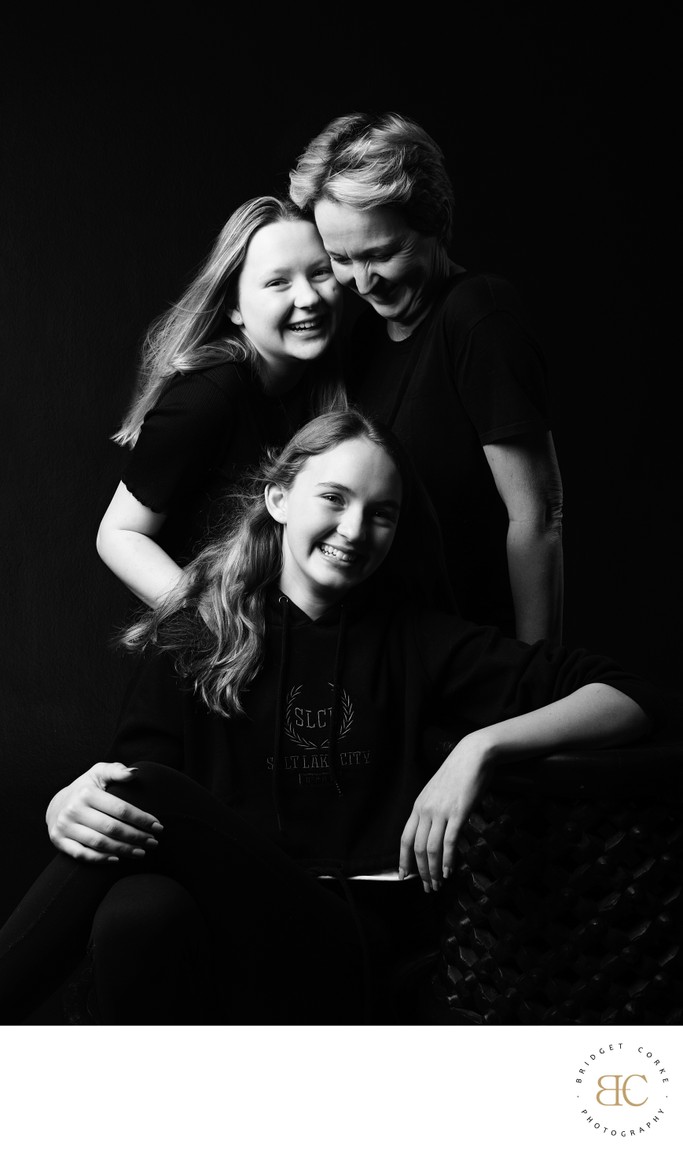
{"type": "Point", "coordinates": [369, 161]}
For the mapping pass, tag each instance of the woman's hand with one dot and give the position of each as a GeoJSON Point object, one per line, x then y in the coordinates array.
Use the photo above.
{"type": "Point", "coordinates": [88, 823]}
{"type": "Point", "coordinates": [440, 811]}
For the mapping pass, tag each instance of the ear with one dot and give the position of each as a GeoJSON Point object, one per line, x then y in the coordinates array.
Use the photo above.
{"type": "Point", "coordinates": [276, 502]}
{"type": "Point", "coordinates": [235, 315]}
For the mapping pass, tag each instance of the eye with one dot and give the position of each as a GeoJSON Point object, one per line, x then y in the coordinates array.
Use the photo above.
{"type": "Point", "coordinates": [322, 273]}
{"type": "Point", "coordinates": [332, 497]}
{"type": "Point", "coordinates": [280, 282]}
{"type": "Point", "coordinates": [339, 259]}
{"type": "Point", "coordinates": [385, 515]}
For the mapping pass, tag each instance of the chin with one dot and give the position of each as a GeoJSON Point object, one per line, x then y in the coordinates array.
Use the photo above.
{"type": "Point", "coordinates": [339, 588]}
{"type": "Point", "coordinates": [314, 349]}
{"type": "Point", "coordinates": [390, 310]}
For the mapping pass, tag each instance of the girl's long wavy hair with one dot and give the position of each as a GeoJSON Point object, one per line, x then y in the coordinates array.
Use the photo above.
{"type": "Point", "coordinates": [214, 623]}
{"type": "Point", "coordinates": [196, 332]}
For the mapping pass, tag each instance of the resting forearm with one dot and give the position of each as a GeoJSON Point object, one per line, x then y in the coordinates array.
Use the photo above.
{"type": "Point", "coordinates": [535, 566]}
{"type": "Point", "coordinates": [594, 716]}
{"type": "Point", "coordinates": [144, 567]}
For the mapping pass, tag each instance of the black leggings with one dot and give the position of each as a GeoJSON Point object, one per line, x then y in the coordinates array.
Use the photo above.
{"type": "Point", "coordinates": [215, 925]}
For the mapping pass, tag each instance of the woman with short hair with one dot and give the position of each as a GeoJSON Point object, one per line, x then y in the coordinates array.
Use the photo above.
{"type": "Point", "coordinates": [445, 357]}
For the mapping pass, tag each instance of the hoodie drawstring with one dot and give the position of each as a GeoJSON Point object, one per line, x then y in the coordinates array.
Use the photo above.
{"type": "Point", "coordinates": [278, 709]}
{"type": "Point", "coordinates": [279, 706]}
{"type": "Point", "coordinates": [336, 697]}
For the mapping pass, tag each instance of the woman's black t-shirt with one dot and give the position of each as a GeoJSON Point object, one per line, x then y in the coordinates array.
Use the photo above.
{"type": "Point", "coordinates": [470, 374]}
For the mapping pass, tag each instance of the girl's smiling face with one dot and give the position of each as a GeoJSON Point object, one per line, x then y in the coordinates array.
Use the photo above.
{"type": "Point", "coordinates": [288, 300]}
{"type": "Point", "coordinates": [339, 519]}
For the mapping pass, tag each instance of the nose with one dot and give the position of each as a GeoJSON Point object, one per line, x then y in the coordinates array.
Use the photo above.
{"type": "Point", "coordinates": [364, 277]}
{"type": "Point", "coordinates": [305, 295]}
{"type": "Point", "coordinates": [352, 524]}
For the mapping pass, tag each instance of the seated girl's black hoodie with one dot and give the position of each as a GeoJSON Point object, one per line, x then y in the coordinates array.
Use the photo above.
{"type": "Point", "coordinates": [373, 676]}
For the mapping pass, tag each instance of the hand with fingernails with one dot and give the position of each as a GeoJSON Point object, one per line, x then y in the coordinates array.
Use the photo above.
{"type": "Point", "coordinates": [85, 821]}
{"type": "Point", "coordinates": [439, 812]}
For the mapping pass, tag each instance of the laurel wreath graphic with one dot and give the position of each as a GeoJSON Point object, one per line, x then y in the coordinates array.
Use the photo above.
{"type": "Point", "coordinates": [300, 740]}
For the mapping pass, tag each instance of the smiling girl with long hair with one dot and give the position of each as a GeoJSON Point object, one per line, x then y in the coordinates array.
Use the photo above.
{"type": "Point", "coordinates": [274, 825]}
{"type": "Point", "coordinates": [246, 355]}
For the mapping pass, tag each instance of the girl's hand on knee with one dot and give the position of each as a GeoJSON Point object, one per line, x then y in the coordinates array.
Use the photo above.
{"type": "Point", "coordinates": [438, 814]}
{"type": "Point", "coordinates": [88, 823]}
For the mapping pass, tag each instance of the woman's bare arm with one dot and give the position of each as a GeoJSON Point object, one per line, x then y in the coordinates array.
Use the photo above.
{"type": "Point", "coordinates": [527, 477]}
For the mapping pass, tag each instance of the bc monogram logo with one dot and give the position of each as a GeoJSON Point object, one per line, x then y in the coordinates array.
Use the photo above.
{"type": "Point", "coordinates": [623, 1090]}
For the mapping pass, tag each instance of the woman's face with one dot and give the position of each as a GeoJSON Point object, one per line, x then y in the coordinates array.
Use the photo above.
{"type": "Point", "coordinates": [339, 518]}
{"type": "Point", "coordinates": [288, 300]}
{"type": "Point", "coordinates": [379, 257]}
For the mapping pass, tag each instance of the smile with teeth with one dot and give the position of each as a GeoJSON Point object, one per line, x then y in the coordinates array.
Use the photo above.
{"type": "Point", "coordinates": [307, 325]}
{"type": "Point", "coordinates": [337, 554]}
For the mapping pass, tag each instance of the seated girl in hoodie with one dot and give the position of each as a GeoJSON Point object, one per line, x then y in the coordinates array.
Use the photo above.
{"type": "Point", "coordinates": [270, 822]}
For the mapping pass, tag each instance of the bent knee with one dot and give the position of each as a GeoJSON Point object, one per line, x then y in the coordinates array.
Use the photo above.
{"type": "Point", "coordinates": [144, 908]}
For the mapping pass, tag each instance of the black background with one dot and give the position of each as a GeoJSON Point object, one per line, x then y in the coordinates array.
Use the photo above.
{"type": "Point", "coordinates": [123, 154]}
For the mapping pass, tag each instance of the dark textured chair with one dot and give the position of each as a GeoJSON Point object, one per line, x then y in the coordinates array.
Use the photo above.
{"type": "Point", "coordinates": [566, 905]}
